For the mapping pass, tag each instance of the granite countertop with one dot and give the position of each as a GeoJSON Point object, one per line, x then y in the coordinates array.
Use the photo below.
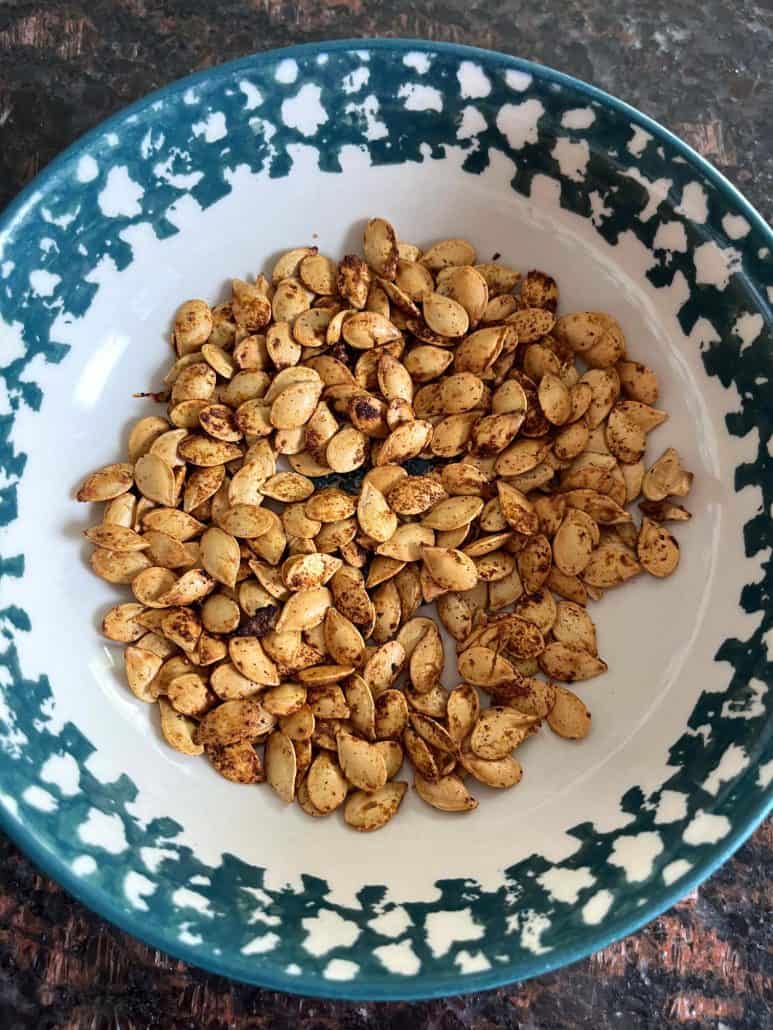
{"type": "Point", "coordinates": [701, 68]}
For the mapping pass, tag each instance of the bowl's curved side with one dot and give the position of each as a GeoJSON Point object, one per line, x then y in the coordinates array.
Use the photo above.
{"type": "Point", "coordinates": [609, 165]}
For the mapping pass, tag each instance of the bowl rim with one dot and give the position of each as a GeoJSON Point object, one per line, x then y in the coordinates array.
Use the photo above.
{"type": "Point", "coordinates": [95, 897]}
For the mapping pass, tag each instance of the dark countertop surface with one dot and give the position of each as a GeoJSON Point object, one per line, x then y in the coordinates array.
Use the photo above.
{"type": "Point", "coordinates": [701, 68]}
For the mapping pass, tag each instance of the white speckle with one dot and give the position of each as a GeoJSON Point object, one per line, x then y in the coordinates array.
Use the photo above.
{"type": "Point", "coordinates": [398, 958]}
{"type": "Point", "coordinates": [184, 898]}
{"type": "Point", "coordinates": [473, 83]}
{"type": "Point", "coordinates": [252, 96]}
{"type": "Point", "coordinates": [672, 806]}
{"type": "Point", "coordinates": [732, 762]}
{"type": "Point", "coordinates": [596, 908]}
{"type": "Point", "coordinates": [137, 887]}
{"type": "Point", "coordinates": [392, 923]}
{"type": "Point", "coordinates": [735, 226]}
{"type": "Point", "coordinates": [637, 143]}
{"type": "Point", "coordinates": [674, 870]}
{"type": "Point", "coordinates": [418, 61]}
{"type": "Point", "coordinates": [201, 881]}
{"type": "Point", "coordinates": [153, 857]}
{"type": "Point", "coordinates": [44, 283]}
{"type": "Point", "coordinates": [636, 855]}
{"type": "Point", "coordinates": [599, 209]}
{"type": "Point", "coordinates": [472, 962]}
{"type": "Point", "coordinates": [304, 111]}
{"type": "Point", "coordinates": [354, 81]}
{"type": "Point", "coordinates": [420, 98]}
{"type": "Point", "coordinates": [473, 122]}
{"type": "Point", "coordinates": [531, 933]}
{"type": "Point", "coordinates": [765, 774]}
{"type": "Point", "coordinates": [340, 969]}
{"type": "Point", "coordinates": [120, 197]}
{"type": "Point", "coordinates": [706, 828]}
{"type": "Point", "coordinates": [264, 126]}
{"type": "Point", "coordinates": [657, 191]}
{"type": "Point", "coordinates": [369, 109]}
{"type": "Point", "coordinates": [40, 799]}
{"type": "Point", "coordinates": [186, 937]}
{"type": "Point", "coordinates": [748, 327]}
{"type": "Point", "coordinates": [190, 96]}
{"type": "Point", "coordinates": [62, 770]}
{"type": "Point", "coordinates": [714, 264]}
{"type": "Point", "coordinates": [62, 221]}
{"type": "Point", "coordinates": [694, 203]}
{"type": "Point", "coordinates": [88, 169]}
{"type": "Point", "coordinates": [47, 245]}
{"type": "Point", "coordinates": [261, 945]}
{"type": "Point", "coordinates": [213, 127]}
{"type": "Point", "coordinates": [294, 969]}
{"type": "Point", "coordinates": [565, 884]}
{"type": "Point", "coordinates": [322, 59]}
{"type": "Point", "coordinates": [112, 139]}
{"type": "Point", "coordinates": [443, 928]}
{"type": "Point", "coordinates": [572, 157]}
{"type": "Point", "coordinates": [328, 930]}
{"type": "Point", "coordinates": [6, 268]}
{"type": "Point", "coordinates": [518, 80]}
{"type": "Point", "coordinates": [180, 180]}
{"type": "Point", "coordinates": [578, 118]}
{"type": "Point", "coordinates": [103, 831]}
{"type": "Point", "coordinates": [670, 236]}
{"type": "Point", "coordinates": [83, 865]}
{"type": "Point", "coordinates": [286, 71]}
{"type": "Point", "coordinates": [518, 122]}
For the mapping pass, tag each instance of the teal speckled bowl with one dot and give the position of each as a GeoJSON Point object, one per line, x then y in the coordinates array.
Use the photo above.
{"type": "Point", "coordinates": [207, 179]}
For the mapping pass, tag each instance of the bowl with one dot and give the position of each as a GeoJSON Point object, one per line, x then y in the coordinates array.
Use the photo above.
{"type": "Point", "coordinates": [210, 178]}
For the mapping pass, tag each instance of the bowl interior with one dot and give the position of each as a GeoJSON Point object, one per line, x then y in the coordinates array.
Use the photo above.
{"type": "Point", "coordinates": [173, 208]}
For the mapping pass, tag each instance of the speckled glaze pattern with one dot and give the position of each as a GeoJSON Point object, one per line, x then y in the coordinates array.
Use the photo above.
{"type": "Point", "coordinates": [245, 1008]}
{"type": "Point", "coordinates": [261, 114]}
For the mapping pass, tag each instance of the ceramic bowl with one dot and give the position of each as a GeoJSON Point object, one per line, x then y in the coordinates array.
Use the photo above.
{"type": "Point", "coordinates": [209, 179]}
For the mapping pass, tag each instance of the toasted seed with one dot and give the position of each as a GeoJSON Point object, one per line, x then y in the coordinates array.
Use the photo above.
{"type": "Point", "coordinates": [251, 660]}
{"type": "Point", "coordinates": [205, 452]}
{"type": "Point", "coordinates": [574, 542]}
{"type": "Point", "coordinates": [388, 612]}
{"type": "Point", "coordinates": [237, 762]}
{"type": "Point", "coordinates": [232, 721]}
{"type": "Point", "coordinates": [657, 549]}
{"type": "Point", "coordinates": [610, 565]}
{"type": "Point", "coordinates": [220, 555]}
{"type": "Point", "coordinates": [446, 253]}
{"type": "Point", "coordinates": [141, 666]}
{"type": "Point", "coordinates": [455, 614]}
{"type": "Point", "coordinates": [569, 717]}
{"type": "Point", "coordinates": [517, 509]}
{"type": "Point", "coordinates": [448, 793]}
{"type": "Point", "coordinates": [534, 697]}
{"type": "Point", "coordinates": [570, 662]}
{"type": "Point", "coordinates": [305, 609]}
{"type": "Point", "coordinates": [554, 399]}
{"type": "Point", "coordinates": [287, 264]}
{"type": "Point", "coordinates": [478, 351]}
{"type": "Point", "coordinates": [407, 542]}
{"type": "Point", "coordinates": [285, 699]}
{"type": "Point", "coordinates": [427, 660]}
{"type": "Point", "coordinates": [230, 685]}
{"type": "Point", "coordinates": [573, 625]}
{"type": "Point", "coordinates": [451, 569]}
{"type": "Point", "coordinates": [406, 441]}
{"type": "Point", "coordinates": [421, 755]}
{"type": "Point", "coordinates": [367, 812]}
{"type": "Point", "coordinates": [361, 762]}
{"type": "Point", "coordinates": [330, 505]}
{"type": "Point", "coordinates": [366, 329]}
{"type": "Point", "coordinates": [500, 773]}
{"type": "Point", "coordinates": [445, 316]}
{"type": "Point", "coordinates": [484, 668]}
{"type": "Point", "coordinates": [281, 765]}
{"type": "Point", "coordinates": [498, 731]}
{"type": "Point", "coordinates": [380, 247]}
{"type": "Point", "coordinates": [463, 711]}
{"type": "Point", "coordinates": [326, 783]}
{"type": "Point", "coordinates": [299, 725]}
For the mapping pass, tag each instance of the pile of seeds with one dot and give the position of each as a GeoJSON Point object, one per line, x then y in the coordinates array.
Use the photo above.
{"type": "Point", "coordinates": [274, 618]}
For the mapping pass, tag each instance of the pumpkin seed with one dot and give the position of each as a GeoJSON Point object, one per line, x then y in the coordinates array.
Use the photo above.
{"type": "Point", "coordinates": [367, 812]}
{"type": "Point", "coordinates": [448, 793]}
{"type": "Point", "coordinates": [569, 717]}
